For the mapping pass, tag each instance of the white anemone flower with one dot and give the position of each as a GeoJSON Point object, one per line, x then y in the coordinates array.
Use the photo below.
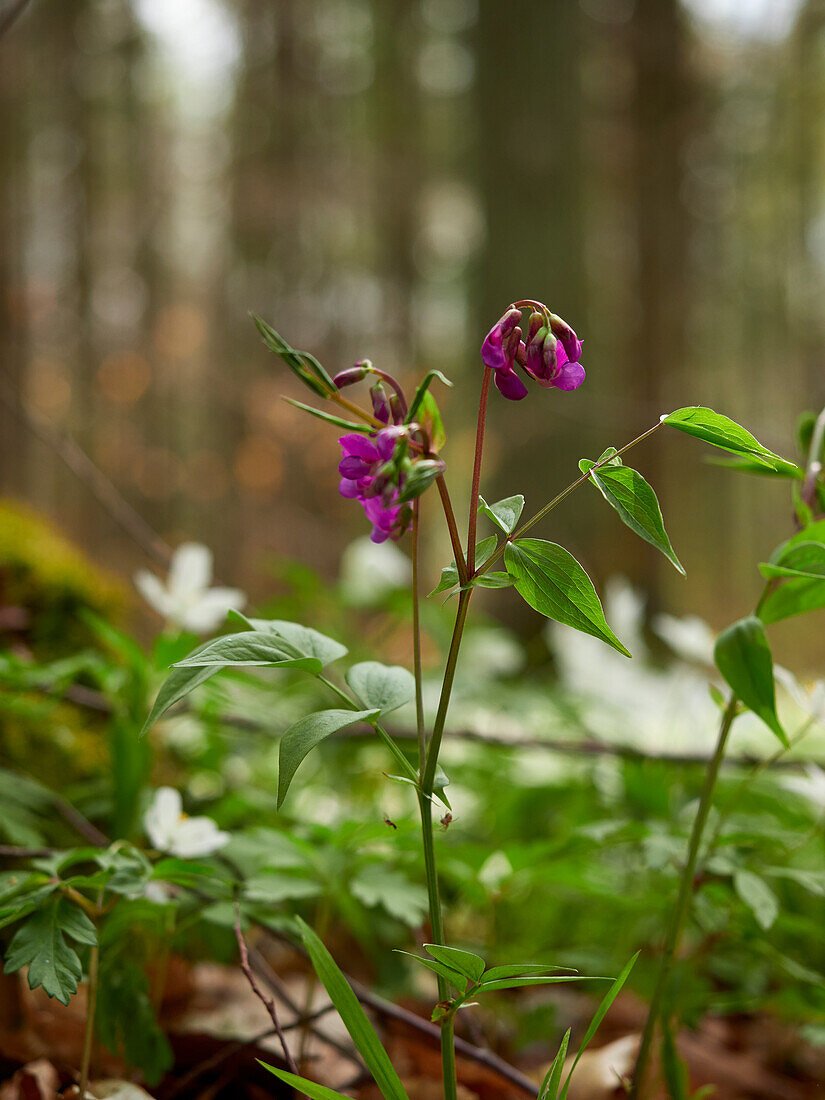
{"type": "Point", "coordinates": [186, 598]}
{"type": "Point", "coordinates": [370, 571]}
{"type": "Point", "coordinates": [170, 830]}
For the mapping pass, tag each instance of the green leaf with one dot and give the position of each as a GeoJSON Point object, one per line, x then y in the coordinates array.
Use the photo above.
{"type": "Point", "coordinates": [273, 887]}
{"type": "Point", "coordinates": [519, 970]}
{"type": "Point", "coordinates": [758, 896]}
{"type": "Point", "coordinates": [338, 421]}
{"type": "Point", "coordinates": [795, 597]}
{"type": "Point", "coordinates": [627, 491]}
{"type": "Point", "coordinates": [177, 685]}
{"type": "Point", "coordinates": [747, 465]}
{"type": "Point", "coordinates": [743, 656]}
{"type": "Point", "coordinates": [393, 891]}
{"type": "Point", "coordinates": [254, 648]}
{"type": "Point", "coordinates": [429, 418]}
{"type": "Point", "coordinates": [601, 1012]}
{"type": "Point", "coordinates": [41, 944]}
{"type": "Point", "coordinates": [305, 641]}
{"type": "Point", "coordinates": [546, 979]}
{"type": "Point", "coordinates": [449, 574]}
{"type": "Point", "coordinates": [308, 732]}
{"type": "Point", "coordinates": [297, 361]}
{"type": "Point", "coordinates": [550, 1085]}
{"type": "Point", "coordinates": [386, 687]}
{"type": "Point", "coordinates": [419, 394]}
{"type": "Point", "coordinates": [465, 962]}
{"type": "Point", "coordinates": [805, 559]}
{"type": "Point", "coordinates": [455, 978]}
{"type": "Point", "coordinates": [674, 1071]}
{"type": "Point", "coordinates": [492, 580]}
{"type": "Point", "coordinates": [304, 1086]}
{"type": "Point", "coordinates": [551, 581]}
{"type": "Point", "coordinates": [720, 431]}
{"type": "Point", "coordinates": [420, 478]}
{"type": "Point", "coordinates": [355, 1019]}
{"type": "Point", "coordinates": [504, 513]}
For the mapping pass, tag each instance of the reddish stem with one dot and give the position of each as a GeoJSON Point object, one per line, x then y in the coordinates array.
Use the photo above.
{"type": "Point", "coordinates": [482, 419]}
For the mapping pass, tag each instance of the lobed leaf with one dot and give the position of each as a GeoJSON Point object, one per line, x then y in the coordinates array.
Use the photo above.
{"type": "Point", "coordinates": [758, 896]}
{"type": "Point", "coordinates": [42, 945]}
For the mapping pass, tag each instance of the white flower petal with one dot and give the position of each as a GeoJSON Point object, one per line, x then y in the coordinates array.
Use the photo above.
{"type": "Point", "coordinates": [154, 592]}
{"type": "Point", "coordinates": [209, 609]}
{"type": "Point", "coordinates": [162, 818]}
{"type": "Point", "coordinates": [198, 836]}
{"type": "Point", "coordinates": [190, 571]}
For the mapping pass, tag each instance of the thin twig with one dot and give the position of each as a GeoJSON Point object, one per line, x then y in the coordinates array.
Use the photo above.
{"type": "Point", "coordinates": [267, 1002]}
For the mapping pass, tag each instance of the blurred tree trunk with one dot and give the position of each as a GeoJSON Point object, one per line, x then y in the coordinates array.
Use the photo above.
{"type": "Point", "coordinates": [660, 113]}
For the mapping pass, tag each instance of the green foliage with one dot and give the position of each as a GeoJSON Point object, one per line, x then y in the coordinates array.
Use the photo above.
{"type": "Point", "coordinates": [636, 503]}
{"type": "Point", "coordinates": [301, 739]}
{"type": "Point", "coordinates": [720, 431]}
{"type": "Point", "coordinates": [385, 687]}
{"type": "Point", "coordinates": [355, 1019]}
{"type": "Point", "coordinates": [505, 513]}
{"type": "Point", "coordinates": [743, 656]}
{"type": "Point", "coordinates": [485, 549]}
{"type": "Point", "coordinates": [42, 944]}
{"type": "Point", "coordinates": [551, 581]}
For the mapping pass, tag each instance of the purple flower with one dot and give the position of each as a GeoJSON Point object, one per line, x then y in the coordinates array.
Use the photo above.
{"type": "Point", "coordinates": [550, 355]}
{"type": "Point", "coordinates": [364, 478]}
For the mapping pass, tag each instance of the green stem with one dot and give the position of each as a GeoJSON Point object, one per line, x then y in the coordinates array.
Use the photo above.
{"type": "Point", "coordinates": [542, 512]}
{"type": "Point", "coordinates": [89, 1030]}
{"type": "Point", "coordinates": [472, 525]}
{"type": "Point", "coordinates": [679, 915]}
{"type": "Point", "coordinates": [446, 690]}
{"type": "Point", "coordinates": [416, 593]}
{"type": "Point", "coordinates": [448, 1070]}
{"type": "Point", "coordinates": [452, 527]}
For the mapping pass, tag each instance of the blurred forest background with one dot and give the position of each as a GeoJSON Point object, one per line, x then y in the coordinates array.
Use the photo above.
{"type": "Point", "coordinates": [381, 178]}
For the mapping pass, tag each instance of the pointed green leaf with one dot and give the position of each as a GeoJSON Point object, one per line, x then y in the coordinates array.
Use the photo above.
{"type": "Point", "coordinates": [744, 464]}
{"type": "Point", "coordinates": [550, 1085]}
{"type": "Point", "coordinates": [547, 979]}
{"type": "Point", "coordinates": [465, 962]}
{"type": "Point", "coordinates": [758, 896]}
{"type": "Point", "coordinates": [304, 1086]}
{"type": "Point", "coordinates": [601, 1012]}
{"type": "Point", "coordinates": [305, 641]}
{"type": "Point", "coordinates": [491, 580]}
{"type": "Point", "coordinates": [418, 397]}
{"type": "Point", "coordinates": [355, 1019]}
{"type": "Point", "coordinates": [805, 559]}
{"type": "Point", "coordinates": [177, 685]}
{"type": "Point", "coordinates": [519, 970]}
{"type": "Point", "coordinates": [253, 648]}
{"type": "Point", "coordinates": [720, 431]}
{"type": "Point", "coordinates": [504, 513]}
{"type": "Point", "coordinates": [485, 549]}
{"type": "Point", "coordinates": [330, 418]}
{"type": "Point", "coordinates": [454, 977]}
{"type": "Point", "coordinates": [297, 361]}
{"type": "Point", "coordinates": [301, 739]}
{"type": "Point", "coordinates": [386, 687]}
{"type": "Point", "coordinates": [743, 656]}
{"type": "Point", "coordinates": [552, 582]}
{"type": "Point", "coordinates": [634, 499]}
{"type": "Point", "coordinates": [429, 418]}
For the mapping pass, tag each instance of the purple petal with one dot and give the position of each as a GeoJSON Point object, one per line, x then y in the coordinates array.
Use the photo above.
{"type": "Point", "coordinates": [385, 442]}
{"type": "Point", "coordinates": [510, 385]}
{"type": "Point", "coordinates": [349, 489]}
{"type": "Point", "coordinates": [359, 445]}
{"type": "Point", "coordinates": [353, 467]}
{"type": "Point", "coordinates": [501, 343]}
{"type": "Point", "coordinates": [570, 377]}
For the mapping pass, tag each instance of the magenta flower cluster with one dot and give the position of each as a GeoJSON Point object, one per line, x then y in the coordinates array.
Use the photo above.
{"type": "Point", "coordinates": [365, 477]}
{"type": "Point", "coordinates": [550, 355]}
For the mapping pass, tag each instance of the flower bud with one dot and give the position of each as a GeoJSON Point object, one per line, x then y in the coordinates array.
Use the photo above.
{"type": "Point", "coordinates": [380, 403]}
{"type": "Point", "coordinates": [353, 374]}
